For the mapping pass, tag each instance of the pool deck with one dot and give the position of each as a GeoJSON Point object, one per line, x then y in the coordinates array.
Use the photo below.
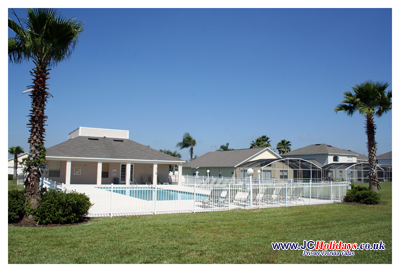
{"type": "Point", "coordinates": [114, 204]}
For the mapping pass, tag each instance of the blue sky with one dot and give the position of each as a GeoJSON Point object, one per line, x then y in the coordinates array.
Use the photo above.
{"type": "Point", "coordinates": [223, 75]}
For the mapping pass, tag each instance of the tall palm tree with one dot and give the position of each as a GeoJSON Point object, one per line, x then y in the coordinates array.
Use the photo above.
{"type": "Point", "coordinates": [283, 146]}
{"type": "Point", "coordinates": [15, 150]}
{"type": "Point", "coordinates": [187, 142]}
{"type": "Point", "coordinates": [46, 38]}
{"type": "Point", "coordinates": [262, 141]}
{"type": "Point", "coordinates": [369, 99]}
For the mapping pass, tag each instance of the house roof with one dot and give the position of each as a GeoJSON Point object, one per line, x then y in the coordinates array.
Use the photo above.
{"type": "Point", "coordinates": [229, 158]}
{"type": "Point", "coordinates": [319, 149]}
{"type": "Point", "coordinates": [88, 148]}
{"type": "Point", "coordinates": [386, 156]}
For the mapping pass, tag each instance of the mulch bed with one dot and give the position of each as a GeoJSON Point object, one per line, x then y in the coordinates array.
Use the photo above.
{"type": "Point", "coordinates": [24, 224]}
{"type": "Point", "coordinates": [355, 203]}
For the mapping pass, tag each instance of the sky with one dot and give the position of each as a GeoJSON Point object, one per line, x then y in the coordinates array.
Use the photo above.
{"type": "Point", "coordinates": [222, 75]}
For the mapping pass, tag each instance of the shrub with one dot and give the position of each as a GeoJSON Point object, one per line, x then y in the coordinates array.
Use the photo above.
{"type": "Point", "coordinates": [10, 176]}
{"type": "Point", "coordinates": [361, 194]}
{"type": "Point", "coordinates": [16, 202]}
{"type": "Point", "coordinates": [58, 207]}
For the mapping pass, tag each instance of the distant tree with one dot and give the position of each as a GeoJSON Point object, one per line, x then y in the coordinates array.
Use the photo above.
{"type": "Point", "coordinates": [224, 147]}
{"type": "Point", "coordinates": [187, 142]}
{"type": "Point", "coordinates": [173, 154]}
{"type": "Point", "coordinates": [369, 99]}
{"type": "Point", "coordinates": [283, 146]}
{"type": "Point", "coordinates": [15, 150]}
{"type": "Point", "coordinates": [262, 141]}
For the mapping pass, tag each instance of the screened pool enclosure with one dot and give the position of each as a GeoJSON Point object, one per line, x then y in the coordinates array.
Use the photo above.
{"type": "Point", "coordinates": [301, 170]}
{"type": "Point", "coordinates": [287, 169]}
{"type": "Point", "coordinates": [356, 172]}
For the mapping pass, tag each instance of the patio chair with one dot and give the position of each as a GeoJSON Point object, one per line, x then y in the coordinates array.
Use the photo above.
{"type": "Point", "coordinates": [214, 197]}
{"type": "Point", "coordinates": [296, 194]}
{"type": "Point", "coordinates": [146, 179]}
{"type": "Point", "coordinates": [283, 195]}
{"type": "Point", "coordinates": [231, 198]}
{"type": "Point", "coordinates": [255, 198]}
{"type": "Point", "coordinates": [267, 196]}
{"type": "Point", "coordinates": [133, 182]}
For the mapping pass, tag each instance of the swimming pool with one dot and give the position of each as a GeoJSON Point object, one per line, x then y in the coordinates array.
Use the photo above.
{"type": "Point", "coordinates": [162, 194]}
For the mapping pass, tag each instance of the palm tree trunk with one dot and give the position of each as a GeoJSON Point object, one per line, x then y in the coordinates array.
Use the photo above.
{"type": "Point", "coordinates": [15, 176]}
{"type": "Point", "coordinates": [191, 153]}
{"type": "Point", "coordinates": [373, 177]}
{"type": "Point", "coordinates": [36, 123]}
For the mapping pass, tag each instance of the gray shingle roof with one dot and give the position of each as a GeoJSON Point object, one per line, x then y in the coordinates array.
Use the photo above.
{"type": "Point", "coordinates": [386, 156]}
{"type": "Point", "coordinates": [223, 158]}
{"type": "Point", "coordinates": [316, 149]}
{"type": "Point", "coordinates": [83, 147]}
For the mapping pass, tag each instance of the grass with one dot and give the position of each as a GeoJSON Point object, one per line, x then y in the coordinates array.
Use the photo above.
{"type": "Point", "coordinates": [236, 236]}
{"type": "Point", "coordinates": [12, 185]}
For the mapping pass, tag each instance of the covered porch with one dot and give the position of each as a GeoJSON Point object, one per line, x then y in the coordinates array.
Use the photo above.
{"type": "Point", "coordinates": [103, 172]}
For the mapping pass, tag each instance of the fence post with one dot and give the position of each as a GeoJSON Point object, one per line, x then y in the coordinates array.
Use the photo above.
{"type": "Point", "coordinates": [331, 191]}
{"type": "Point", "coordinates": [194, 199]}
{"type": "Point", "coordinates": [155, 198]}
{"type": "Point", "coordinates": [286, 196]}
{"type": "Point", "coordinates": [229, 196]}
{"type": "Point", "coordinates": [310, 192]}
{"type": "Point", "coordinates": [111, 200]}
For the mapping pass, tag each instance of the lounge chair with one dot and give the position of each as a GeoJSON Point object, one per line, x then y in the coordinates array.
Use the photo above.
{"type": "Point", "coordinates": [296, 194]}
{"type": "Point", "coordinates": [214, 197]}
{"type": "Point", "coordinates": [231, 198]}
{"type": "Point", "coordinates": [268, 195]}
{"type": "Point", "coordinates": [255, 198]}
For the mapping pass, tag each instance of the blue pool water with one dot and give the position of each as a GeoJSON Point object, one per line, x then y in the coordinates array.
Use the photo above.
{"type": "Point", "coordinates": [162, 194]}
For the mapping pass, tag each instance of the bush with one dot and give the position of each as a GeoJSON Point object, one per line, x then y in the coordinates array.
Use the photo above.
{"type": "Point", "coordinates": [361, 194]}
{"type": "Point", "coordinates": [58, 207]}
{"type": "Point", "coordinates": [10, 176]}
{"type": "Point", "coordinates": [16, 203]}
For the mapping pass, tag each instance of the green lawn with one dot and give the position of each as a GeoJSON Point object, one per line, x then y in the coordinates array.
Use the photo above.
{"type": "Point", "coordinates": [237, 236]}
{"type": "Point", "coordinates": [12, 185]}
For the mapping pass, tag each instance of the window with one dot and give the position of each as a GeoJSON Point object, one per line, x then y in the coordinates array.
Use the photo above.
{"type": "Point", "coordinates": [194, 172]}
{"type": "Point", "coordinates": [283, 174]}
{"type": "Point", "coordinates": [335, 158]}
{"type": "Point", "coordinates": [349, 159]}
{"type": "Point", "coordinates": [104, 170]}
{"type": "Point", "coordinates": [219, 173]}
{"type": "Point", "coordinates": [54, 169]}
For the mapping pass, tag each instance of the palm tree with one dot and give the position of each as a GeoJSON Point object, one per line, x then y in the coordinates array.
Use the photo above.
{"type": "Point", "coordinates": [283, 146]}
{"type": "Point", "coordinates": [262, 141]}
{"type": "Point", "coordinates": [187, 142]}
{"type": "Point", "coordinates": [225, 147]}
{"type": "Point", "coordinates": [15, 150]}
{"type": "Point", "coordinates": [369, 99]}
{"type": "Point", "coordinates": [47, 39]}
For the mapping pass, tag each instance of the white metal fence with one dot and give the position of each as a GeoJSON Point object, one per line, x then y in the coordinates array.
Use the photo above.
{"type": "Point", "coordinates": [120, 200]}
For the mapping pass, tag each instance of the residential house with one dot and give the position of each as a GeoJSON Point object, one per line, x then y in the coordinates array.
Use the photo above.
{"type": "Point", "coordinates": [225, 163]}
{"type": "Point", "coordinates": [385, 158]}
{"type": "Point", "coordinates": [325, 154]}
{"type": "Point", "coordinates": [20, 165]}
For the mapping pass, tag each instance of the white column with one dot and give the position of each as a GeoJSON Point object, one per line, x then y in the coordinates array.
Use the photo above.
{"type": "Point", "coordinates": [155, 166]}
{"type": "Point", "coordinates": [128, 173]}
{"type": "Point", "coordinates": [179, 174]}
{"type": "Point", "coordinates": [68, 173]}
{"type": "Point", "coordinates": [99, 170]}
